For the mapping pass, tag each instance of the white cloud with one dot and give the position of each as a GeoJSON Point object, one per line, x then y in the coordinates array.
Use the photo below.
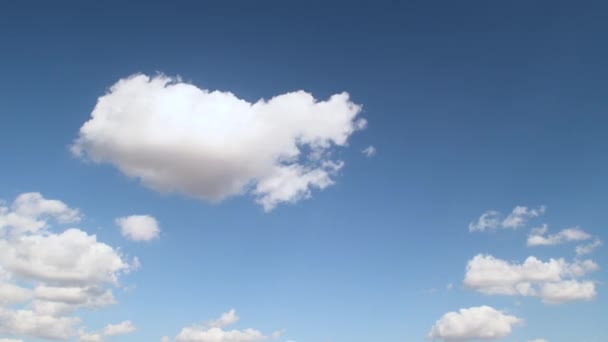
{"type": "Point", "coordinates": [369, 151]}
{"type": "Point", "coordinates": [213, 332]}
{"type": "Point", "coordinates": [52, 274]}
{"type": "Point", "coordinates": [122, 328]}
{"type": "Point", "coordinates": [588, 248]}
{"type": "Point", "coordinates": [70, 258]}
{"type": "Point", "coordinates": [567, 291]}
{"type": "Point", "coordinates": [176, 137]}
{"type": "Point", "coordinates": [12, 294]}
{"type": "Point", "coordinates": [10, 340]}
{"type": "Point", "coordinates": [539, 237]}
{"type": "Point", "coordinates": [538, 340]}
{"type": "Point", "coordinates": [28, 323]}
{"type": "Point", "coordinates": [30, 212]}
{"type": "Point", "coordinates": [226, 319]}
{"type": "Point", "coordinates": [138, 227]}
{"type": "Point", "coordinates": [493, 220]}
{"type": "Point", "coordinates": [553, 281]}
{"type": "Point", "coordinates": [475, 323]}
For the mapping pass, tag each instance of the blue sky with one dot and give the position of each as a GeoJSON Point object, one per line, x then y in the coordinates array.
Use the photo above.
{"type": "Point", "coordinates": [471, 106]}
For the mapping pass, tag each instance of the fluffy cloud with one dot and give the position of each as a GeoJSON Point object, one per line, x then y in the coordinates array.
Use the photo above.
{"type": "Point", "coordinates": [70, 258]}
{"type": "Point", "coordinates": [475, 323]}
{"type": "Point", "coordinates": [51, 274]}
{"type": "Point", "coordinates": [554, 281]}
{"type": "Point", "coordinates": [122, 328]}
{"type": "Point", "coordinates": [176, 137]}
{"type": "Point", "coordinates": [539, 237]}
{"type": "Point", "coordinates": [29, 323]}
{"type": "Point", "coordinates": [539, 340]}
{"type": "Point", "coordinates": [213, 331]}
{"type": "Point", "coordinates": [30, 212]}
{"type": "Point", "coordinates": [493, 220]}
{"type": "Point", "coordinates": [138, 227]}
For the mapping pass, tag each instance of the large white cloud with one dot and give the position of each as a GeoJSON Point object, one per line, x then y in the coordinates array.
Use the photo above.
{"type": "Point", "coordinates": [476, 323]}
{"type": "Point", "coordinates": [176, 137]}
{"type": "Point", "coordinates": [213, 331]}
{"type": "Point", "coordinates": [493, 220]}
{"type": "Point", "coordinates": [51, 274]}
{"type": "Point", "coordinates": [555, 281]}
{"type": "Point", "coordinates": [138, 227]}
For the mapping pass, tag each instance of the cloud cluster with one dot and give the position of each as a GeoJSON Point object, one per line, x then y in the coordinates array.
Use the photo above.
{"type": "Point", "coordinates": [555, 281]}
{"type": "Point", "coordinates": [138, 227]}
{"type": "Point", "coordinates": [49, 274]}
{"type": "Point", "coordinates": [213, 331]}
{"type": "Point", "coordinates": [493, 220]}
{"type": "Point", "coordinates": [176, 137]}
{"type": "Point", "coordinates": [474, 323]}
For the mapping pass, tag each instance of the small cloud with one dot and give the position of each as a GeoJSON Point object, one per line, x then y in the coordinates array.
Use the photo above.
{"type": "Point", "coordinates": [369, 151]}
{"type": "Point", "coordinates": [493, 220]}
{"type": "Point", "coordinates": [138, 227]}
{"type": "Point", "coordinates": [588, 248]}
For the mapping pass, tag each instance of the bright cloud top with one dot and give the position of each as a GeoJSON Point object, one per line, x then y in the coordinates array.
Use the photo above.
{"type": "Point", "coordinates": [555, 281]}
{"type": "Point", "coordinates": [138, 227]}
{"type": "Point", "coordinates": [49, 274]}
{"type": "Point", "coordinates": [176, 137]}
{"type": "Point", "coordinates": [213, 331]}
{"type": "Point", "coordinates": [493, 220]}
{"type": "Point", "coordinates": [475, 323]}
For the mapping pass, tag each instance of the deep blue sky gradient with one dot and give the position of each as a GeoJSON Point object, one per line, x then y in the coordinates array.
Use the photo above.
{"type": "Point", "coordinates": [472, 105]}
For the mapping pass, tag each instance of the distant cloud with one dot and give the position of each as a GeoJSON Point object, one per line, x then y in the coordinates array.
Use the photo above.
{"type": "Point", "coordinates": [538, 340]}
{"type": "Point", "coordinates": [476, 323]}
{"type": "Point", "coordinates": [138, 227]}
{"type": "Point", "coordinates": [213, 332]}
{"type": "Point", "coordinates": [539, 237]}
{"type": "Point", "coordinates": [588, 248]}
{"type": "Point", "coordinates": [493, 220]}
{"type": "Point", "coordinates": [176, 137]}
{"type": "Point", "coordinates": [369, 151]}
{"type": "Point", "coordinates": [555, 281]}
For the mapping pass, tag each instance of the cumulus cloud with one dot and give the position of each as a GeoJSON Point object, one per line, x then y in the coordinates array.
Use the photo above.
{"type": "Point", "coordinates": [213, 331]}
{"type": "Point", "coordinates": [51, 274]}
{"type": "Point", "coordinates": [476, 323]}
{"type": "Point", "coordinates": [176, 137]}
{"type": "Point", "coordinates": [369, 151]}
{"type": "Point", "coordinates": [493, 220]}
{"type": "Point", "coordinates": [554, 281]}
{"type": "Point", "coordinates": [122, 328]}
{"type": "Point", "coordinates": [29, 323]}
{"type": "Point", "coordinates": [539, 237]}
{"type": "Point", "coordinates": [30, 212]}
{"type": "Point", "coordinates": [138, 227]}
{"type": "Point", "coordinates": [538, 340]}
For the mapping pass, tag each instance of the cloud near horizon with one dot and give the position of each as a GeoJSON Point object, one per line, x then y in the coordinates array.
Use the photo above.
{"type": "Point", "coordinates": [472, 324]}
{"type": "Point", "coordinates": [177, 137]}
